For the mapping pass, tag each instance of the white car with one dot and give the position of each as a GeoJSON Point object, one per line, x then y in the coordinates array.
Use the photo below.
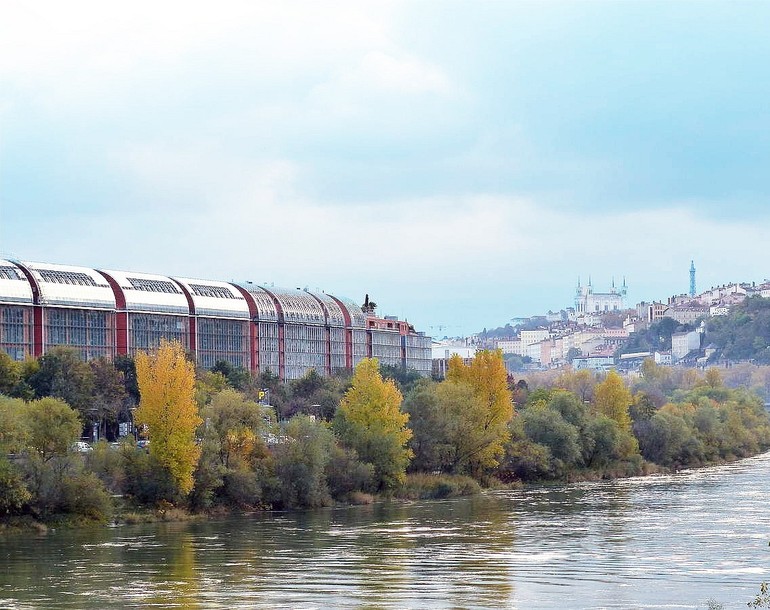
{"type": "Point", "coordinates": [81, 447]}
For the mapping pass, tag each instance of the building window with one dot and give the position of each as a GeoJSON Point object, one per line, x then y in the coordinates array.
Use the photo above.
{"type": "Point", "coordinates": [153, 285]}
{"type": "Point", "coordinates": [67, 277]}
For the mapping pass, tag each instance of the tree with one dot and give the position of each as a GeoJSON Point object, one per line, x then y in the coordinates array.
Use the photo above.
{"type": "Point", "coordinates": [14, 429]}
{"type": "Point", "coordinates": [10, 374]}
{"type": "Point", "coordinates": [487, 376]}
{"type": "Point", "coordinates": [369, 420]}
{"type": "Point", "coordinates": [237, 376]}
{"type": "Point", "coordinates": [612, 398]}
{"type": "Point", "coordinates": [62, 374]}
{"type": "Point", "coordinates": [110, 398]}
{"type": "Point", "coordinates": [237, 424]}
{"type": "Point", "coordinates": [53, 426]}
{"type": "Point", "coordinates": [167, 387]}
{"type": "Point", "coordinates": [301, 462]}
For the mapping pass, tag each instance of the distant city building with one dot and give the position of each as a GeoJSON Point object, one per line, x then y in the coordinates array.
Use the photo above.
{"type": "Point", "coordinates": [442, 352]}
{"type": "Point", "coordinates": [589, 302]}
{"type": "Point", "coordinates": [686, 314]}
{"type": "Point", "coordinates": [684, 343]}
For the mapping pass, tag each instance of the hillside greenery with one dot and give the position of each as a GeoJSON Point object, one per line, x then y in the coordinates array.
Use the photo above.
{"type": "Point", "coordinates": [743, 334]}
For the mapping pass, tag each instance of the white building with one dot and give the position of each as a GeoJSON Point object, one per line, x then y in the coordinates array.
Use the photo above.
{"type": "Point", "coordinates": [589, 302]}
{"type": "Point", "coordinates": [683, 343]}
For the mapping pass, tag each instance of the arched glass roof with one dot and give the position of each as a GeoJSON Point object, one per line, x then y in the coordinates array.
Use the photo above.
{"type": "Point", "coordinates": [299, 306]}
{"type": "Point", "coordinates": [335, 316]}
{"type": "Point", "coordinates": [70, 286]}
{"type": "Point", "coordinates": [266, 310]}
{"type": "Point", "coordinates": [14, 287]}
{"type": "Point", "coordinates": [150, 293]}
{"type": "Point", "coordinates": [216, 299]}
{"type": "Point", "coordinates": [357, 317]}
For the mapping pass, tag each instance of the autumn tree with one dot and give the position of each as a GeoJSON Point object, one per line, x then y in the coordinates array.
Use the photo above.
{"type": "Point", "coordinates": [490, 416]}
{"type": "Point", "coordinates": [167, 387]}
{"type": "Point", "coordinates": [370, 420]}
{"type": "Point", "coordinates": [237, 425]}
{"type": "Point", "coordinates": [612, 398]}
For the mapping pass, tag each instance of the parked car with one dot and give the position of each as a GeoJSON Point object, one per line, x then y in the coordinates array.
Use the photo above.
{"type": "Point", "coordinates": [81, 447]}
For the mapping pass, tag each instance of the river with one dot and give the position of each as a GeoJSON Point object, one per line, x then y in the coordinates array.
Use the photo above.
{"type": "Point", "coordinates": [651, 542]}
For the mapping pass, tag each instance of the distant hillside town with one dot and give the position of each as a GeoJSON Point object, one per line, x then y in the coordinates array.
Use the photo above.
{"type": "Point", "coordinates": [722, 325]}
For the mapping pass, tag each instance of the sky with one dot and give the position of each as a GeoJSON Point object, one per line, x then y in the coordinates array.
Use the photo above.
{"type": "Point", "coordinates": [463, 163]}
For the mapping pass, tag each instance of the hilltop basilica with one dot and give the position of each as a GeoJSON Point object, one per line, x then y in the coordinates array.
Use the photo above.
{"type": "Point", "coordinates": [587, 301]}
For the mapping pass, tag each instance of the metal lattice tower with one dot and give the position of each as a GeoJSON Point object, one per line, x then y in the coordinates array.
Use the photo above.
{"type": "Point", "coordinates": [692, 278]}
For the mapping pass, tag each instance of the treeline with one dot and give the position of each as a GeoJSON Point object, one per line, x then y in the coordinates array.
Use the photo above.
{"type": "Point", "coordinates": [214, 443]}
{"type": "Point", "coordinates": [673, 418]}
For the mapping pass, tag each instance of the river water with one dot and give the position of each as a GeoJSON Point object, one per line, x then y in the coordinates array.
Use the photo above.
{"type": "Point", "coordinates": [651, 542]}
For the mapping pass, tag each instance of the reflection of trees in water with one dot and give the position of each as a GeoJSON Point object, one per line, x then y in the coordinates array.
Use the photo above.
{"type": "Point", "coordinates": [176, 582]}
{"type": "Point", "coordinates": [447, 552]}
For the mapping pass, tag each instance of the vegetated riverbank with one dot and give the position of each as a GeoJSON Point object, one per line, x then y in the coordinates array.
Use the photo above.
{"type": "Point", "coordinates": [386, 438]}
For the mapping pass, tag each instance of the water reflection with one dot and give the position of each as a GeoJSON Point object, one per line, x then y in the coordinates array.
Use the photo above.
{"type": "Point", "coordinates": [653, 542]}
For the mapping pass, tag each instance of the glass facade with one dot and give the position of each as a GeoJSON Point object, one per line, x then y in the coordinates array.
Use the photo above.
{"type": "Point", "coordinates": [304, 348]}
{"type": "Point", "coordinates": [222, 340]}
{"type": "Point", "coordinates": [419, 354]}
{"type": "Point", "coordinates": [268, 347]}
{"type": "Point", "coordinates": [359, 346]}
{"type": "Point", "coordinates": [386, 347]}
{"type": "Point", "coordinates": [337, 348]}
{"type": "Point", "coordinates": [145, 331]}
{"type": "Point", "coordinates": [16, 331]}
{"type": "Point", "coordinates": [90, 331]}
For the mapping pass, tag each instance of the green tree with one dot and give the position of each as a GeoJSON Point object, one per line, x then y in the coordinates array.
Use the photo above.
{"type": "Point", "coordinates": [168, 408]}
{"type": "Point", "coordinates": [62, 374]}
{"type": "Point", "coordinates": [53, 426]}
{"type": "Point", "coordinates": [110, 399]}
{"type": "Point", "coordinates": [301, 462]}
{"type": "Point", "coordinates": [237, 376]}
{"type": "Point", "coordinates": [369, 420]}
{"type": "Point", "coordinates": [10, 374]}
{"type": "Point", "coordinates": [14, 428]}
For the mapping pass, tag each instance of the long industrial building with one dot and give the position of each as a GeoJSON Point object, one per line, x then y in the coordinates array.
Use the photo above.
{"type": "Point", "coordinates": [108, 313]}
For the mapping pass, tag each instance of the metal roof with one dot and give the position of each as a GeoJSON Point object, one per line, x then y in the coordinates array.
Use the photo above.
{"type": "Point", "coordinates": [216, 299]}
{"type": "Point", "coordinates": [149, 292]}
{"type": "Point", "coordinates": [14, 287]}
{"type": "Point", "coordinates": [70, 286]}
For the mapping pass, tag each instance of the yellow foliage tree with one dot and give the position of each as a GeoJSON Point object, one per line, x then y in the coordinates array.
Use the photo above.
{"type": "Point", "coordinates": [369, 420]}
{"type": "Point", "coordinates": [612, 398]}
{"type": "Point", "coordinates": [487, 376]}
{"type": "Point", "coordinates": [167, 407]}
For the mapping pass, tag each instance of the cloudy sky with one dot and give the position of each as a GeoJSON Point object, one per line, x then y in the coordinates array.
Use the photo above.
{"type": "Point", "coordinates": [462, 162]}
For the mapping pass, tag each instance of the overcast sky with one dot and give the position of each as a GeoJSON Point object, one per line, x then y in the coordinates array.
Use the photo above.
{"type": "Point", "coordinates": [461, 162]}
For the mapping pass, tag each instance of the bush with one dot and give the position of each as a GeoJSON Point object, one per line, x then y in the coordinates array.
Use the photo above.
{"type": "Point", "coordinates": [147, 481]}
{"type": "Point", "coordinates": [84, 496]}
{"type": "Point", "coordinates": [422, 486]}
{"type": "Point", "coordinates": [346, 474]}
{"type": "Point", "coordinates": [14, 494]}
